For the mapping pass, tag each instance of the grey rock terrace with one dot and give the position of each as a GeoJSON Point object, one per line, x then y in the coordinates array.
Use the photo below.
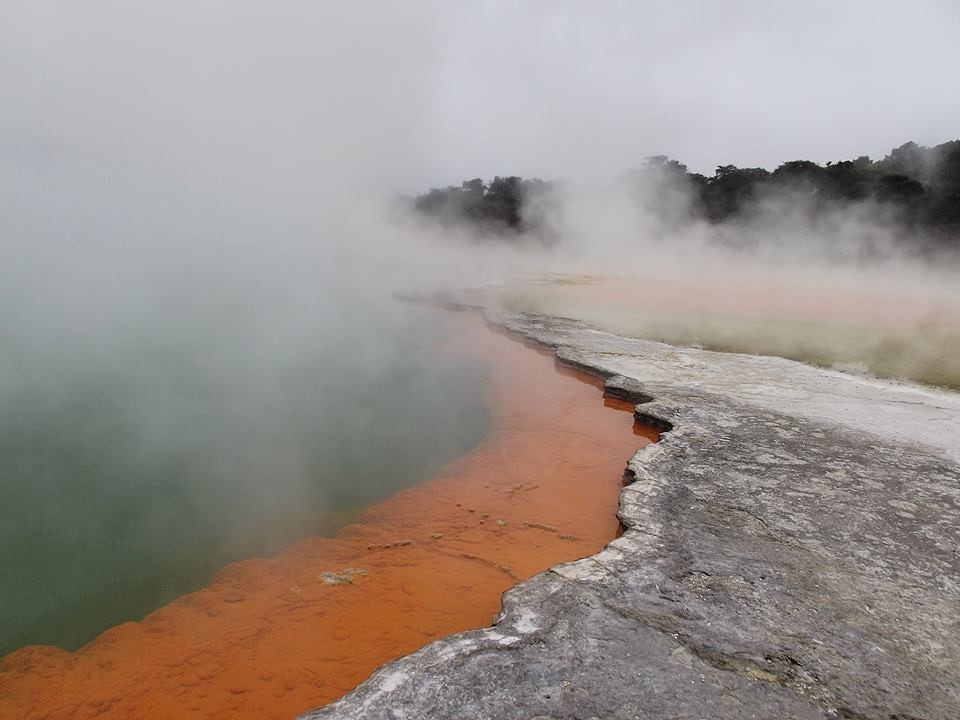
{"type": "Point", "coordinates": [791, 550]}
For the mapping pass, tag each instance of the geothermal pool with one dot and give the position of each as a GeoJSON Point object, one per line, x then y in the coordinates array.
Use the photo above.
{"type": "Point", "coordinates": [891, 330]}
{"type": "Point", "coordinates": [129, 476]}
{"type": "Point", "coordinates": [275, 637]}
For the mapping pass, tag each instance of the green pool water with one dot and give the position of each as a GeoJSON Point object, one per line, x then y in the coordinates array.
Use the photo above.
{"type": "Point", "coordinates": [136, 464]}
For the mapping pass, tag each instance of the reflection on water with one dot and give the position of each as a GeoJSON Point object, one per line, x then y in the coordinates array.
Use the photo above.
{"type": "Point", "coordinates": [128, 478]}
{"type": "Point", "coordinates": [273, 638]}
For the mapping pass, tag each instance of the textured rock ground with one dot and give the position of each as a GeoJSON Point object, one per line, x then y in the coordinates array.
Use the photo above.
{"type": "Point", "coordinates": [792, 550]}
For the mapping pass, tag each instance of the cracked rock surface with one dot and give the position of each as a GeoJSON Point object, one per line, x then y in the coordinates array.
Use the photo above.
{"type": "Point", "coordinates": [791, 550]}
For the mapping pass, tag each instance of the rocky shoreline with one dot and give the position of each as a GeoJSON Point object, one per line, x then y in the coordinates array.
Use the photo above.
{"type": "Point", "coordinates": [791, 548]}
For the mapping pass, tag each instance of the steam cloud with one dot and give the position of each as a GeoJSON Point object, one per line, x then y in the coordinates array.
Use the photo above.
{"type": "Point", "coordinates": [195, 201]}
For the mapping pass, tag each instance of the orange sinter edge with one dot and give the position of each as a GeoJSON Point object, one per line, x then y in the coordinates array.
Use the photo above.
{"type": "Point", "coordinates": [272, 638]}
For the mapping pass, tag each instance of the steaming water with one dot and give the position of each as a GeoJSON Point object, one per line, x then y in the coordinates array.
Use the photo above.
{"type": "Point", "coordinates": [128, 477]}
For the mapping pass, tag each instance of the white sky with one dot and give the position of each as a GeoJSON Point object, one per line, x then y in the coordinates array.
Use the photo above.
{"type": "Point", "coordinates": [318, 95]}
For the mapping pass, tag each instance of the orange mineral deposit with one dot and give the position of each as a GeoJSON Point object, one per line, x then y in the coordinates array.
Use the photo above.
{"type": "Point", "coordinates": [272, 638]}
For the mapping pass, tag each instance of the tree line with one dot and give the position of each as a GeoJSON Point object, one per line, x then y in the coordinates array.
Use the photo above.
{"type": "Point", "coordinates": [919, 185]}
{"type": "Point", "coordinates": [495, 207]}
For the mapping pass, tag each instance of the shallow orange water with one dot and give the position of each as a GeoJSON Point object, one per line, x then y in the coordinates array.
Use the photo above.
{"type": "Point", "coordinates": [751, 298]}
{"type": "Point", "coordinates": [271, 638]}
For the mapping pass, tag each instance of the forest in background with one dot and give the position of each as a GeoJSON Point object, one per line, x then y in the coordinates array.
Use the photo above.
{"type": "Point", "coordinates": [917, 187]}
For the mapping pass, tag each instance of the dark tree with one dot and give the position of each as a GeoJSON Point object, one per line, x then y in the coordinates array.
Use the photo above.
{"type": "Point", "coordinates": [731, 190]}
{"type": "Point", "coordinates": [666, 190]}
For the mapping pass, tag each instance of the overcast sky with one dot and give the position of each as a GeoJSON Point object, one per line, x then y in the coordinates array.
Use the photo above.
{"type": "Point", "coordinates": [401, 95]}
